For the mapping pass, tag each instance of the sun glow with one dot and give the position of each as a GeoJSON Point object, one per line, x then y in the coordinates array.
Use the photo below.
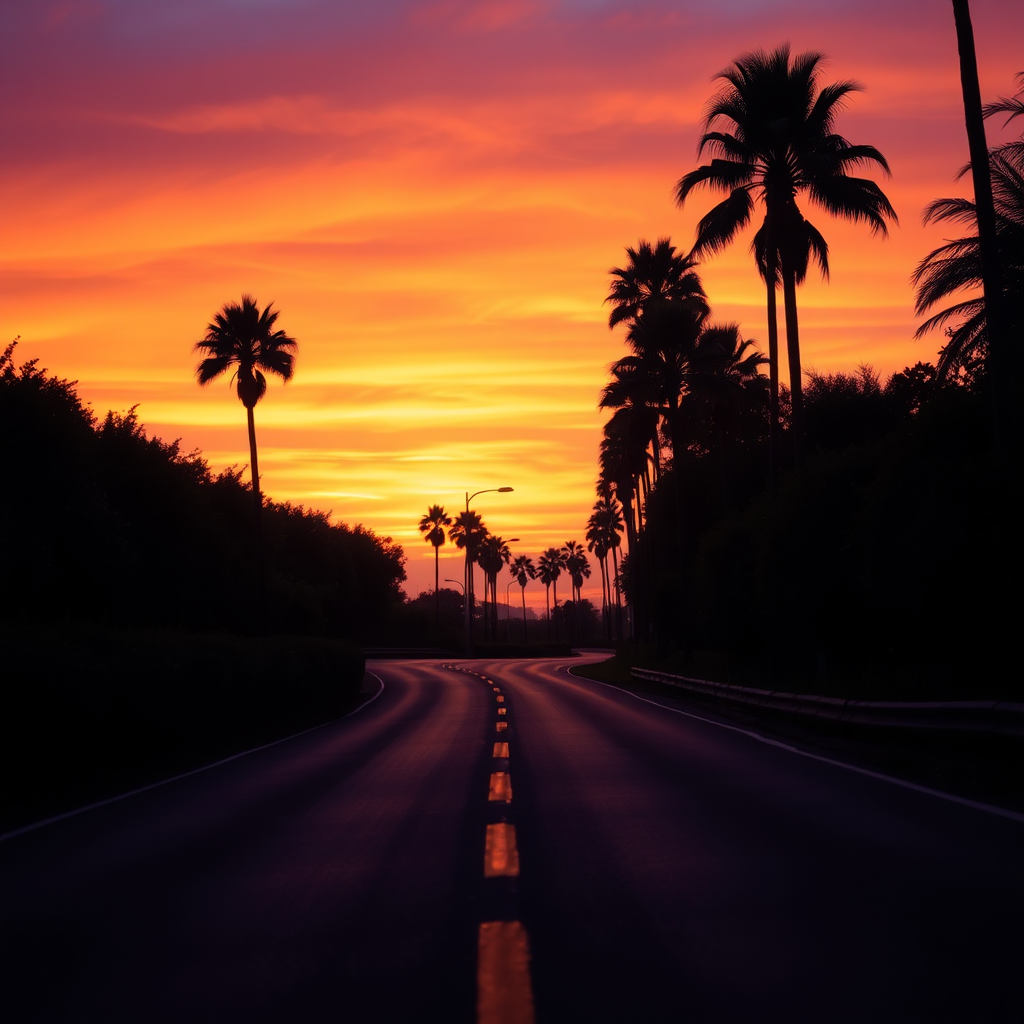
{"type": "Point", "coordinates": [432, 196]}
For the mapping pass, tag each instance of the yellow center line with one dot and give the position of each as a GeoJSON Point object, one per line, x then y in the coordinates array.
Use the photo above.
{"type": "Point", "coordinates": [500, 750]}
{"type": "Point", "coordinates": [501, 855]}
{"type": "Point", "coordinates": [503, 991]}
{"type": "Point", "coordinates": [501, 726]}
{"type": "Point", "coordinates": [500, 699]}
{"type": "Point", "coordinates": [501, 711]}
{"type": "Point", "coordinates": [500, 788]}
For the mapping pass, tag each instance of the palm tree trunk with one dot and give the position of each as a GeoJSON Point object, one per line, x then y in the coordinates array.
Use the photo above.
{"type": "Point", "coordinates": [522, 590]}
{"type": "Point", "coordinates": [257, 501]}
{"type": "Point", "coordinates": [437, 595]}
{"type": "Point", "coordinates": [991, 269]}
{"type": "Point", "coordinates": [773, 376]}
{"type": "Point", "coordinates": [796, 391]}
{"type": "Point", "coordinates": [618, 595]}
{"type": "Point", "coordinates": [547, 606]}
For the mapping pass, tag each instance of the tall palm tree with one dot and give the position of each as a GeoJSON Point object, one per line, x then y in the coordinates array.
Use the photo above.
{"type": "Point", "coordinates": [242, 337]}
{"type": "Point", "coordinates": [432, 526]}
{"type": "Point", "coordinates": [493, 553]}
{"type": "Point", "coordinates": [549, 568]}
{"type": "Point", "coordinates": [578, 568]}
{"type": "Point", "coordinates": [523, 571]}
{"type": "Point", "coordinates": [466, 533]}
{"type": "Point", "coordinates": [603, 531]}
{"type": "Point", "coordinates": [957, 265]}
{"type": "Point", "coordinates": [779, 142]}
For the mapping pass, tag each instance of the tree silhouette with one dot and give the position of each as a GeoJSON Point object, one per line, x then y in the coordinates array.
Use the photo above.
{"type": "Point", "coordinates": [242, 337]}
{"type": "Point", "coordinates": [466, 533]}
{"type": "Point", "coordinates": [957, 265]}
{"type": "Point", "coordinates": [523, 571]}
{"type": "Point", "coordinates": [549, 568]}
{"type": "Point", "coordinates": [492, 554]}
{"type": "Point", "coordinates": [653, 274]}
{"type": "Point", "coordinates": [781, 143]}
{"type": "Point", "coordinates": [432, 526]}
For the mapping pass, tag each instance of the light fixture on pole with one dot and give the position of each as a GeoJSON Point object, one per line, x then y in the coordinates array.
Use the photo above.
{"type": "Point", "coordinates": [468, 590]}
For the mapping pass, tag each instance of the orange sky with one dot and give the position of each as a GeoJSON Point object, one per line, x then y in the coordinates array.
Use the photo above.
{"type": "Point", "coordinates": [432, 194]}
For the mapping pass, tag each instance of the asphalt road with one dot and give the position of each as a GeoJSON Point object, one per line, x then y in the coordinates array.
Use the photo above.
{"type": "Point", "coordinates": [659, 867]}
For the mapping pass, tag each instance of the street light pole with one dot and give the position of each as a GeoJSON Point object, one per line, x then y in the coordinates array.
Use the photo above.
{"type": "Point", "coordinates": [468, 590]}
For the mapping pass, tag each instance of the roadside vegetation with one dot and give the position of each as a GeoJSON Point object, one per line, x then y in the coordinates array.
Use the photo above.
{"type": "Point", "coordinates": [846, 535]}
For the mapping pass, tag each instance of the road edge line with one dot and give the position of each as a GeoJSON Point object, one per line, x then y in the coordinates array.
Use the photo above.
{"type": "Point", "coordinates": [1002, 812]}
{"type": "Point", "coordinates": [194, 771]}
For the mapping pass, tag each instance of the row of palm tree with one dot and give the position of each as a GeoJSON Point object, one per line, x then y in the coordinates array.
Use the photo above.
{"type": "Point", "coordinates": [687, 385]}
{"type": "Point", "coordinates": [468, 533]}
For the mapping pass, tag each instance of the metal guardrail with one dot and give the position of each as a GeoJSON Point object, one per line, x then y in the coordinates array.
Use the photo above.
{"type": "Point", "coordinates": [983, 716]}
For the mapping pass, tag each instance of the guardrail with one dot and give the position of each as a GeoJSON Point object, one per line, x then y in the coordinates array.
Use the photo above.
{"type": "Point", "coordinates": [982, 716]}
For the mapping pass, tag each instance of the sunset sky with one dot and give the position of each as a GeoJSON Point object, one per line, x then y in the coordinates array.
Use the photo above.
{"type": "Point", "coordinates": [432, 194]}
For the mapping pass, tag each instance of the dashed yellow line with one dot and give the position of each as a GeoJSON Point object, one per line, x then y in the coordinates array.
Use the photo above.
{"type": "Point", "coordinates": [501, 787]}
{"type": "Point", "coordinates": [501, 711]}
{"type": "Point", "coordinates": [501, 855]}
{"type": "Point", "coordinates": [500, 699]}
{"type": "Point", "coordinates": [503, 991]}
{"type": "Point", "coordinates": [500, 750]}
{"type": "Point", "coordinates": [501, 726]}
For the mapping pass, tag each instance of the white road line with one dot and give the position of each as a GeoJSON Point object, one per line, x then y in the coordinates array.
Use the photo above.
{"type": "Point", "coordinates": [952, 798]}
{"type": "Point", "coordinates": [185, 775]}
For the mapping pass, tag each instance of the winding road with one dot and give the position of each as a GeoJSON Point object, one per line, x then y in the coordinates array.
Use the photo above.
{"type": "Point", "coordinates": [502, 842]}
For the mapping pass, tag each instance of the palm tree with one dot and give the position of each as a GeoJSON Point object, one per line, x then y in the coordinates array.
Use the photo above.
{"type": "Point", "coordinates": [957, 265]}
{"type": "Point", "coordinates": [576, 565]}
{"type": "Point", "coordinates": [549, 568]}
{"type": "Point", "coordinates": [652, 275]}
{"type": "Point", "coordinates": [493, 553]}
{"type": "Point", "coordinates": [523, 571]}
{"type": "Point", "coordinates": [781, 143]}
{"type": "Point", "coordinates": [242, 337]}
{"type": "Point", "coordinates": [578, 568]}
{"type": "Point", "coordinates": [603, 538]}
{"type": "Point", "coordinates": [432, 526]}
{"type": "Point", "coordinates": [466, 533]}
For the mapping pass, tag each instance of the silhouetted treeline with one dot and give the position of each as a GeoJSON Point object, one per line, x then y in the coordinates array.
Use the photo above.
{"type": "Point", "coordinates": [892, 554]}
{"type": "Point", "coordinates": [106, 524]}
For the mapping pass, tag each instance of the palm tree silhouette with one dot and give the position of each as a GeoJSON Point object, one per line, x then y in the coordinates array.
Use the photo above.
{"type": "Point", "coordinates": [432, 526]}
{"type": "Point", "coordinates": [466, 533]}
{"type": "Point", "coordinates": [523, 571]}
{"type": "Point", "coordinates": [653, 274]}
{"type": "Point", "coordinates": [782, 144]}
{"type": "Point", "coordinates": [243, 337]}
{"type": "Point", "coordinates": [957, 265]}
{"type": "Point", "coordinates": [492, 553]}
{"type": "Point", "coordinates": [579, 569]}
{"type": "Point", "coordinates": [549, 568]}
{"type": "Point", "coordinates": [603, 529]}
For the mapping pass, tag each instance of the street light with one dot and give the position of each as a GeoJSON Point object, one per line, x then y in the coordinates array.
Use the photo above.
{"type": "Point", "coordinates": [468, 590]}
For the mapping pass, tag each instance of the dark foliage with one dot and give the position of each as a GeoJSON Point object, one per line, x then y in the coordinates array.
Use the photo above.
{"type": "Point", "coordinates": [90, 711]}
{"type": "Point", "coordinates": [104, 524]}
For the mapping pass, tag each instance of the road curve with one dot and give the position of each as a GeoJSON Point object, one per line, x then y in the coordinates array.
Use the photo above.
{"type": "Point", "coordinates": [659, 868]}
{"type": "Point", "coordinates": [673, 870]}
{"type": "Point", "coordinates": [328, 877]}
